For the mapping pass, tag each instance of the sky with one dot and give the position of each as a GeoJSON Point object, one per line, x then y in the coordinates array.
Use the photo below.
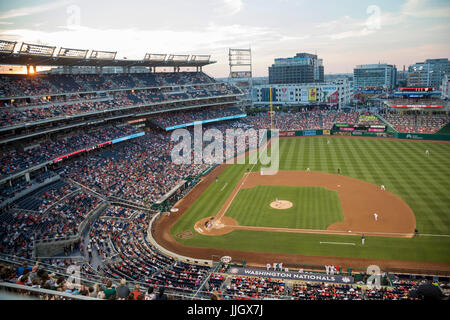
{"type": "Point", "coordinates": [343, 33]}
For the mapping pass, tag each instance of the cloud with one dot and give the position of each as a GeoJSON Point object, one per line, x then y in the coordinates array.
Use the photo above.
{"type": "Point", "coordinates": [352, 34]}
{"type": "Point", "coordinates": [230, 7]}
{"type": "Point", "coordinates": [135, 42]}
{"type": "Point", "coordinates": [27, 11]}
{"type": "Point", "coordinates": [423, 9]}
{"type": "Point", "coordinates": [344, 27]}
{"type": "Point", "coordinates": [345, 21]}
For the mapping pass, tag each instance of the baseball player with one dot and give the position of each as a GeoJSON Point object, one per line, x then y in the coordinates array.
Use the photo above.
{"type": "Point", "coordinates": [307, 169]}
{"type": "Point", "coordinates": [382, 187]}
{"type": "Point", "coordinates": [375, 216]}
{"type": "Point", "coordinates": [427, 152]}
{"type": "Point", "coordinates": [363, 238]}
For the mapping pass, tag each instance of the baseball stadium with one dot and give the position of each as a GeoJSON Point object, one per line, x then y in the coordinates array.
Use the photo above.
{"type": "Point", "coordinates": [314, 201]}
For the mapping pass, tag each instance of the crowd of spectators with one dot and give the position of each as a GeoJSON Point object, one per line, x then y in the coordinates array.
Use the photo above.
{"type": "Point", "coordinates": [303, 120]}
{"type": "Point", "coordinates": [324, 291]}
{"type": "Point", "coordinates": [14, 160]}
{"type": "Point", "coordinates": [119, 237]}
{"type": "Point", "coordinates": [10, 115]}
{"type": "Point", "coordinates": [416, 123]}
{"type": "Point", "coordinates": [239, 288]}
{"type": "Point", "coordinates": [9, 191]}
{"type": "Point", "coordinates": [60, 214]}
{"type": "Point", "coordinates": [42, 84]}
{"type": "Point", "coordinates": [255, 288]}
{"type": "Point", "coordinates": [165, 120]}
{"type": "Point", "coordinates": [140, 170]}
{"type": "Point", "coordinates": [431, 124]}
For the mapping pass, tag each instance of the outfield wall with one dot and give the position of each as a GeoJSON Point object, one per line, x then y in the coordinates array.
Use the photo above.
{"type": "Point", "coordinates": [422, 136]}
{"type": "Point", "coordinates": [398, 135]}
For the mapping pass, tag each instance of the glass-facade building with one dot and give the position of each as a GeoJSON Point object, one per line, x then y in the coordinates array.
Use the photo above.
{"type": "Point", "coordinates": [375, 75]}
{"type": "Point", "coordinates": [303, 68]}
{"type": "Point", "coordinates": [429, 73]}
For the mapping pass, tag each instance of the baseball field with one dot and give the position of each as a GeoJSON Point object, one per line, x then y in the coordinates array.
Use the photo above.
{"type": "Point", "coordinates": [318, 215]}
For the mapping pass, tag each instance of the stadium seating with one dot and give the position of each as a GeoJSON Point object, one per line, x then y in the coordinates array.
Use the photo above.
{"type": "Point", "coordinates": [414, 123]}
{"type": "Point", "coordinates": [139, 172]}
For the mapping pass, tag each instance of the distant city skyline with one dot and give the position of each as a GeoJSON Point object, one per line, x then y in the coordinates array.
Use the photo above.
{"type": "Point", "coordinates": [344, 34]}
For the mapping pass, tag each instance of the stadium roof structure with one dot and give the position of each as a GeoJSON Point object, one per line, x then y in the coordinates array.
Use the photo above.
{"type": "Point", "coordinates": [42, 55]}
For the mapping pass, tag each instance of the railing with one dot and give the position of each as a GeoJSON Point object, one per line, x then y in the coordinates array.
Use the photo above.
{"type": "Point", "coordinates": [49, 247]}
{"type": "Point", "coordinates": [17, 291]}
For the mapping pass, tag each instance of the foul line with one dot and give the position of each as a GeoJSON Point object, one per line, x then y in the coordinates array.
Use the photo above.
{"type": "Point", "coordinates": [246, 174]}
{"type": "Point", "coordinates": [224, 186]}
{"type": "Point", "coordinates": [344, 243]}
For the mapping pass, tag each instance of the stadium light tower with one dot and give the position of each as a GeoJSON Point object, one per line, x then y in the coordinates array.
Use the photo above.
{"type": "Point", "coordinates": [240, 62]}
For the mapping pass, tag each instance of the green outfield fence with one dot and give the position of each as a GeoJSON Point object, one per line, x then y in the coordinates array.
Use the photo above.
{"type": "Point", "coordinates": [399, 135]}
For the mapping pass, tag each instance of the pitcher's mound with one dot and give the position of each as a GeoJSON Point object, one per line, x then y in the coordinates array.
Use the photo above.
{"type": "Point", "coordinates": [281, 204]}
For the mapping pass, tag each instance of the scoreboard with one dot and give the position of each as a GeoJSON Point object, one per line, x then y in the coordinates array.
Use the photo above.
{"type": "Point", "coordinates": [360, 127]}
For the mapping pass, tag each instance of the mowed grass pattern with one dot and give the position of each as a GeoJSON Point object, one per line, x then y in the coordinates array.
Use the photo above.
{"type": "Point", "coordinates": [423, 182]}
{"type": "Point", "coordinates": [313, 207]}
{"type": "Point", "coordinates": [402, 166]}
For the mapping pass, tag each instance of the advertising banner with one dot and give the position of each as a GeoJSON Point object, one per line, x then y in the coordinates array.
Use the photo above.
{"type": "Point", "coordinates": [330, 95]}
{"type": "Point", "coordinates": [286, 94]}
{"type": "Point", "coordinates": [364, 118]}
{"type": "Point", "coordinates": [309, 133]}
{"type": "Point", "coordinates": [288, 275]}
{"type": "Point", "coordinates": [423, 136]}
{"type": "Point", "coordinates": [304, 95]}
{"type": "Point", "coordinates": [265, 94]}
{"type": "Point", "coordinates": [287, 134]}
{"type": "Point", "coordinates": [241, 74]}
{"type": "Point", "coordinates": [312, 94]}
{"type": "Point", "coordinates": [203, 121]}
{"type": "Point", "coordinates": [417, 105]}
{"type": "Point", "coordinates": [68, 155]}
{"type": "Point", "coordinates": [128, 137]}
{"type": "Point", "coordinates": [326, 132]}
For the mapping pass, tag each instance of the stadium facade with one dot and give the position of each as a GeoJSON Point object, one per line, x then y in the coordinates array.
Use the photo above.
{"type": "Point", "coordinates": [337, 93]}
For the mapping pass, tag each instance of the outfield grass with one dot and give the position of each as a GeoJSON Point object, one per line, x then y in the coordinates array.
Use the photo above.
{"type": "Point", "coordinates": [313, 207]}
{"type": "Point", "coordinates": [402, 166]}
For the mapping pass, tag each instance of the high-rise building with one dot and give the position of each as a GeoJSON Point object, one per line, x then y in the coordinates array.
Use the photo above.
{"type": "Point", "coordinates": [429, 73]}
{"type": "Point", "coordinates": [375, 75]}
{"type": "Point", "coordinates": [445, 87]}
{"type": "Point", "coordinates": [303, 68]}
